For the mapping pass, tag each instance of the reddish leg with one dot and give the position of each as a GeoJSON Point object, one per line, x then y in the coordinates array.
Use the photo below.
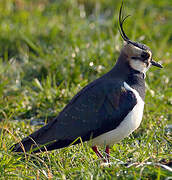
{"type": "Point", "coordinates": [107, 153]}
{"type": "Point", "coordinates": [95, 149]}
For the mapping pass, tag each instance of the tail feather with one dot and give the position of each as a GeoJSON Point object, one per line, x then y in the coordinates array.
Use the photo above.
{"type": "Point", "coordinates": [43, 139]}
{"type": "Point", "coordinates": [35, 141]}
{"type": "Point", "coordinates": [29, 144]}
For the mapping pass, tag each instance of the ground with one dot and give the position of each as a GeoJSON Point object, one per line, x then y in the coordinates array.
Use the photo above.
{"type": "Point", "coordinates": [49, 50]}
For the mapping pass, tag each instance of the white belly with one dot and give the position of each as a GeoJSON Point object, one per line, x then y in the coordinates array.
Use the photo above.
{"type": "Point", "coordinates": [127, 126]}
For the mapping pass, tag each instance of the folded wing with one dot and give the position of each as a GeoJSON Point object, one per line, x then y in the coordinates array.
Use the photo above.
{"type": "Point", "coordinates": [96, 109]}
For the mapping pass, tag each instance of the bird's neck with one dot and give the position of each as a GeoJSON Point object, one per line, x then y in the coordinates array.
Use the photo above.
{"type": "Point", "coordinates": [133, 78]}
{"type": "Point", "coordinates": [136, 81]}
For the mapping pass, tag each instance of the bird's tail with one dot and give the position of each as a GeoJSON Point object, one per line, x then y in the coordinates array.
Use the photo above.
{"type": "Point", "coordinates": [29, 144]}
{"type": "Point", "coordinates": [46, 138]}
{"type": "Point", "coordinates": [36, 142]}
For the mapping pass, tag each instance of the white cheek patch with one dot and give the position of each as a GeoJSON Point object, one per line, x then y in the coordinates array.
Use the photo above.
{"type": "Point", "coordinates": [138, 65]}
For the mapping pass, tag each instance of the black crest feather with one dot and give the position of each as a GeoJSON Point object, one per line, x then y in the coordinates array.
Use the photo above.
{"type": "Point", "coordinates": [123, 35]}
{"type": "Point", "coordinates": [121, 21]}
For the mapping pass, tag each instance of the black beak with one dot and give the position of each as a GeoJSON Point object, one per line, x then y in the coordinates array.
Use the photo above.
{"type": "Point", "coordinates": [156, 64]}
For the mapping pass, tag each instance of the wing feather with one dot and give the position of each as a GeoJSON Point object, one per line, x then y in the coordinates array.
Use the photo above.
{"type": "Point", "coordinates": [93, 111]}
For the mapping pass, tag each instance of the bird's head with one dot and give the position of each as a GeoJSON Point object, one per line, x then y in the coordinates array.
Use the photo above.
{"type": "Point", "coordinates": [138, 56]}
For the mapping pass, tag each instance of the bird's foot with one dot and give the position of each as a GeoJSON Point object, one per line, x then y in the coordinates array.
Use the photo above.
{"type": "Point", "coordinates": [105, 160]}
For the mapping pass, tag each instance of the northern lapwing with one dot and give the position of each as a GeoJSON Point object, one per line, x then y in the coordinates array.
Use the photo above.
{"type": "Point", "coordinates": [105, 111]}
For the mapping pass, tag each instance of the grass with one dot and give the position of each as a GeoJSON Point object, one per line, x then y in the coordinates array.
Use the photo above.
{"type": "Point", "coordinates": [49, 50]}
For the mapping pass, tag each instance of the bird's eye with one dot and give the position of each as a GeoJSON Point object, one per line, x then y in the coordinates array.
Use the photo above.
{"type": "Point", "coordinates": [145, 55]}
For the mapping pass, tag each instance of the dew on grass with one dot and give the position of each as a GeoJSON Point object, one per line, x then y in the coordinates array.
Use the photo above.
{"type": "Point", "coordinates": [91, 64]}
{"type": "Point", "coordinates": [77, 49]}
{"type": "Point", "coordinates": [73, 55]}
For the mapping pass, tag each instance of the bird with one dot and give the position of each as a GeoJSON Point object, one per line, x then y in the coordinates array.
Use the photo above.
{"type": "Point", "coordinates": [105, 111]}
